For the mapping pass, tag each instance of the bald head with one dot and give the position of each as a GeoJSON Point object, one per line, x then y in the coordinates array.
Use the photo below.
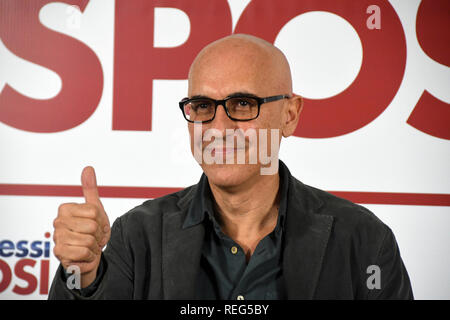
{"type": "Point", "coordinates": [250, 62]}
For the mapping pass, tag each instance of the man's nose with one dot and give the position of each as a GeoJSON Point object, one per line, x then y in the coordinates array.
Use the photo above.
{"type": "Point", "coordinates": [221, 120]}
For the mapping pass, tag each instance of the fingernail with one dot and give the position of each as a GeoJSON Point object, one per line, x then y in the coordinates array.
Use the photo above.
{"type": "Point", "coordinates": [105, 229]}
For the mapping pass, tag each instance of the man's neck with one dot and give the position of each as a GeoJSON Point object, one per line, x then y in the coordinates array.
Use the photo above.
{"type": "Point", "coordinates": [249, 212]}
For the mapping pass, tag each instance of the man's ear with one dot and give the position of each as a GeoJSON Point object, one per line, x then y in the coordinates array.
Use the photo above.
{"type": "Point", "coordinates": [292, 115]}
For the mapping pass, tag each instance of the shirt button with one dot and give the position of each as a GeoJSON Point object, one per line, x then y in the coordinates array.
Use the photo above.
{"type": "Point", "coordinates": [239, 297]}
{"type": "Point", "coordinates": [234, 249]}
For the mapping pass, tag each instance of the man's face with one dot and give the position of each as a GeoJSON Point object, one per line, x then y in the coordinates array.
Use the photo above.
{"type": "Point", "coordinates": [224, 71]}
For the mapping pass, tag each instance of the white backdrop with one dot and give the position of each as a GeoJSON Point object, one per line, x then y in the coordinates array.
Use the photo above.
{"type": "Point", "coordinates": [387, 155]}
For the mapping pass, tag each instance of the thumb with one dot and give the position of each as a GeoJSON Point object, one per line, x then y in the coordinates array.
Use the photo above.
{"type": "Point", "coordinates": [89, 186]}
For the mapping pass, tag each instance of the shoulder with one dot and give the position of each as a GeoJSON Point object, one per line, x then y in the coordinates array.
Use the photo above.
{"type": "Point", "coordinates": [349, 219]}
{"type": "Point", "coordinates": [152, 211]}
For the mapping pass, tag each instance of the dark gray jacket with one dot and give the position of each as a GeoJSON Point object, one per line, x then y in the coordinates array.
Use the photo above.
{"type": "Point", "coordinates": [329, 245]}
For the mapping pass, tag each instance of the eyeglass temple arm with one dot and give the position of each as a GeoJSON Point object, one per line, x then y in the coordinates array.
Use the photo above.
{"type": "Point", "coordinates": [275, 98]}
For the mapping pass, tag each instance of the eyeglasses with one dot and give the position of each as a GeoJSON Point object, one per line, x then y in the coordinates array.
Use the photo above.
{"type": "Point", "coordinates": [237, 107]}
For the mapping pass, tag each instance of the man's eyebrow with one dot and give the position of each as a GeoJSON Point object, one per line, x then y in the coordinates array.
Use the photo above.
{"type": "Point", "coordinates": [232, 95]}
{"type": "Point", "coordinates": [199, 96]}
{"type": "Point", "coordinates": [241, 93]}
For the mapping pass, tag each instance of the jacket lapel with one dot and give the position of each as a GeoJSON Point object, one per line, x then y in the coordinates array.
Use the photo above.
{"type": "Point", "coordinates": [306, 240]}
{"type": "Point", "coordinates": [181, 252]}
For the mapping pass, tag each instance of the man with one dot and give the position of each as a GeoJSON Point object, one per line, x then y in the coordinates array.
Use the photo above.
{"type": "Point", "coordinates": [238, 233]}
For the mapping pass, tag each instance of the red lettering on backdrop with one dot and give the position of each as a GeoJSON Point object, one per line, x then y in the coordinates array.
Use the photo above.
{"type": "Point", "coordinates": [383, 65]}
{"type": "Point", "coordinates": [6, 275]}
{"type": "Point", "coordinates": [45, 268]}
{"type": "Point", "coordinates": [76, 64]}
{"type": "Point", "coordinates": [137, 62]}
{"type": "Point", "coordinates": [19, 271]}
{"type": "Point", "coordinates": [433, 29]}
{"type": "Point", "coordinates": [432, 115]}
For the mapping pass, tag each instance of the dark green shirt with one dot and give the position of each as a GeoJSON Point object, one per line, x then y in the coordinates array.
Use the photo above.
{"type": "Point", "coordinates": [224, 271]}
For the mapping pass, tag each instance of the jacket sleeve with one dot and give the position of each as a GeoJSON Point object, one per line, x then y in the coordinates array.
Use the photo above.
{"type": "Point", "coordinates": [114, 278]}
{"type": "Point", "coordinates": [394, 282]}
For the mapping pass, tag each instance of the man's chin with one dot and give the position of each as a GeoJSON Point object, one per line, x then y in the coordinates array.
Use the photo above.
{"type": "Point", "coordinates": [230, 175]}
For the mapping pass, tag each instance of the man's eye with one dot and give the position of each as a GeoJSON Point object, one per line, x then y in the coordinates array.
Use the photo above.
{"type": "Point", "coordinates": [200, 105]}
{"type": "Point", "coordinates": [243, 103]}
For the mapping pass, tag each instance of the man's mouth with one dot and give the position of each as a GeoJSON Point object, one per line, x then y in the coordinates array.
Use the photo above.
{"type": "Point", "coordinates": [224, 151]}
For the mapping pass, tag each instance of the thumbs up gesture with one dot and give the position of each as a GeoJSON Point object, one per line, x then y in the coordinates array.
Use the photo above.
{"type": "Point", "coordinates": [82, 230]}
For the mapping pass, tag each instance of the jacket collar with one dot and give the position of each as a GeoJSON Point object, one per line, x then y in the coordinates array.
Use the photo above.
{"type": "Point", "coordinates": [181, 250]}
{"type": "Point", "coordinates": [306, 239]}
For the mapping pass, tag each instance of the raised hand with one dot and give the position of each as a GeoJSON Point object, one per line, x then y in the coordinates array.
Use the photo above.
{"type": "Point", "coordinates": [82, 230]}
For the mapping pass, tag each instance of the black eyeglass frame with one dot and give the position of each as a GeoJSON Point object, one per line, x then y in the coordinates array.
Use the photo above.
{"type": "Point", "coordinates": [259, 100]}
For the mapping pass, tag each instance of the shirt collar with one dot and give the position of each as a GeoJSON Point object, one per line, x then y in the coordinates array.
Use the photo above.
{"type": "Point", "coordinates": [202, 202]}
